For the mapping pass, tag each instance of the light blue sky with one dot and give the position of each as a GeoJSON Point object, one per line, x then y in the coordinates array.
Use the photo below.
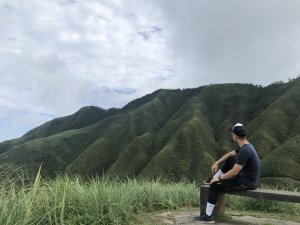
{"type": "Point", "coordinates": [58, 56]}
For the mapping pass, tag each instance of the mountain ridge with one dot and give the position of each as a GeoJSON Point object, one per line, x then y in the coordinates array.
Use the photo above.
{"type": "Point", "coordinates": [173, 134]}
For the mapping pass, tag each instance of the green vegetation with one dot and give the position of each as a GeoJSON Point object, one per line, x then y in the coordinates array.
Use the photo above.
{"type": "Point", "coordinates": [264, 208]}
{"type": "Point", "coordinates": [74, 200]}
{"type": "Point", "coordinates": [262, 205]}
{"type": "Point", "coordinates": [66, 200]}
{"type": "Point", "coordinates": [168, 134]}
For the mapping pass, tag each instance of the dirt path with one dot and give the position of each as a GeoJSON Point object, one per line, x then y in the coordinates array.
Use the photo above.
{"type": "Point", "coordinates": [186, 218]}
{"type": "Point", "coordinates": [181, 218]}
{"type": "Point", "coordinates": [263, 221]}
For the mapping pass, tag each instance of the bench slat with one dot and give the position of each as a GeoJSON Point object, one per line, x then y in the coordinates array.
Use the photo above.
{"type": "Point", "coordinates": [286, 196]}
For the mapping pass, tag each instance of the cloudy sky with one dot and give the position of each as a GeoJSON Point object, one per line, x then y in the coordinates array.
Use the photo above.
{"type": "Point", "coordinates": [57, 56]}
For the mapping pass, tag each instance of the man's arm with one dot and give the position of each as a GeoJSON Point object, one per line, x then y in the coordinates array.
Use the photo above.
{"type": "Point", "coordinates": [214, 167]}
{"type": "Point", "coordinates": [230, 174]}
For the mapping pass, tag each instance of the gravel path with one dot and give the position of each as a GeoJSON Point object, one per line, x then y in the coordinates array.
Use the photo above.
{"type": "Point", "coordinates": [186, 218]}
{"type": "Point", "coordinates": [181, 218]}
{"type": "Point", "coordinates": [262, 221]}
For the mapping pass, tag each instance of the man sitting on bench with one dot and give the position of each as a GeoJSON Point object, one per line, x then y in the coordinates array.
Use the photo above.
{"type": "Point", "coordinates": [240, 171]}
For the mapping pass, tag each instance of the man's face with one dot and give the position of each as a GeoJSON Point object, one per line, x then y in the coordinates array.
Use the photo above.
{"type": "Point", "coordinates": [233, 137]}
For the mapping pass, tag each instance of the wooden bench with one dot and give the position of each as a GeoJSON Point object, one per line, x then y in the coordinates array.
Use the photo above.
{"type": "Point", "coordinates": [284, 196]}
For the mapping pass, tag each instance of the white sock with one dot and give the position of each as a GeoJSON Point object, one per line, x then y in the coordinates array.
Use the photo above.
{"type": "Point", "coordinates": [209, 209]}
{"type": "Point", "coordinates": [219, 173]}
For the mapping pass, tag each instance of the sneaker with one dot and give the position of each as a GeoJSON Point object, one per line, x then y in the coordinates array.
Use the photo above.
{"type": "Point", "coordinates": [207, 181]}
{"type": "Point", "coordinates": [204, 219]}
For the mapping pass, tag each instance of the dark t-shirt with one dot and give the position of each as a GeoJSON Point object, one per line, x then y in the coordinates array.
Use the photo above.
{"type": "Point", "coordinates": [247, 157]}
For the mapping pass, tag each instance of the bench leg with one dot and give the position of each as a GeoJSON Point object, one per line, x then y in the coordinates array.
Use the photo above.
{"type": "Point", "coordinates": [220, 205]}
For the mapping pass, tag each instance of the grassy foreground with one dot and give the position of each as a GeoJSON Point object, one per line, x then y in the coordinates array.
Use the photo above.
{"type": "Point", "coordinates": [72, 200]}
{"type": "Point", "coordinates": [68, 200]}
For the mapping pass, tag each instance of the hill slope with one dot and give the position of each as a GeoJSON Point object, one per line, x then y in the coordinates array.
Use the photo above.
{"type": "Point", "coordinates": [174, 134]}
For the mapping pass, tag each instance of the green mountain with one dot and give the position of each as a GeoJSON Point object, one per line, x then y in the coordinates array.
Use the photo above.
{"type": "Point", "coordinates": [173, 134]}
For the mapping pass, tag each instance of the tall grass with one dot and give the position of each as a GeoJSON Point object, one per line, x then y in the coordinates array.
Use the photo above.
{"type": "Point", "coordinates": [69, 200]}
{"type": "Point", "coordinates": [72, 200]}
{"type": "Point", "coordinates": [262, 205]}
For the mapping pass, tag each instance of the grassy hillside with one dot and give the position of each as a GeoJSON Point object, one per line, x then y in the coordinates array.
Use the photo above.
{"type": "Point", "coordinates": [84, 117]}
{"type": "Point", "coordinates": [174, 134]}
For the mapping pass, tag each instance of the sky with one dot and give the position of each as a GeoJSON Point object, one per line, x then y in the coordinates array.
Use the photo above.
{"type": "Point", "coordinates": [57, 56]}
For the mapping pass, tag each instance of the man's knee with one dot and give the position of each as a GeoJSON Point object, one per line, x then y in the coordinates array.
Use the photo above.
{"type": "Point", "coordinates": [216, 186]}
{"type": "Point", "coordinates": [228, 165]}
{"type": "Point", "coordinates": [231, 160]}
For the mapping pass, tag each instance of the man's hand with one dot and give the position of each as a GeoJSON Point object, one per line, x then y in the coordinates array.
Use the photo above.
{"type": "Point", "coordinates": [215, 179]}
{"type": "Point", "coordinates": [214, 167]}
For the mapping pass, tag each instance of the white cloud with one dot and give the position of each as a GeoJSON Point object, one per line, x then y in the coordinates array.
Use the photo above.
{"type": "Point", "coordinates": [234, 41]}
{"type": "Point", "coordinates": [60, 55]}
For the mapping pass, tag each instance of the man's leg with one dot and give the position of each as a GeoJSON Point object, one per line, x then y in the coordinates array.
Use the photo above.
{"type": "Point", "coordinates": [214, 190]}
{"type": "Point", "coordinates": [219, 186]}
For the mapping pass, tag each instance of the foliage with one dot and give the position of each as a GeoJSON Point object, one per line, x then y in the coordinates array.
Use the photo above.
{"type": "Point", "coordinates": [173, 134]}
{"type": "Point", "coordinates": [262, 205]}
{"type": "Point", "coordinates": [104, 200]}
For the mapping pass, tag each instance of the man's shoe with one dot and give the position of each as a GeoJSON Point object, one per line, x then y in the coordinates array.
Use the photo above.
{"type": "Point", "coordinates": [207, 181]}
{"type": "Point", "coordinates": [204, 219]}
